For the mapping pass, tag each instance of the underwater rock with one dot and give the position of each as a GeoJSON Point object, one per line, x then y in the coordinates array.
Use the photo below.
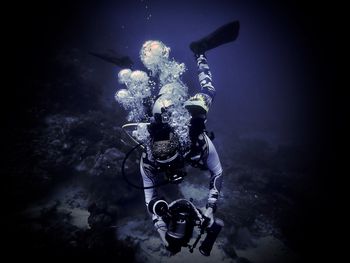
{"type": "Point", "coordinates": [244, 238]}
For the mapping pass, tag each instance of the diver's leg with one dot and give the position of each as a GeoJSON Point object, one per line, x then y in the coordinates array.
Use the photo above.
{"type": "Point", "coordinates": [205, 97]}
{"type": "Point", "coordinates": [204, 76]}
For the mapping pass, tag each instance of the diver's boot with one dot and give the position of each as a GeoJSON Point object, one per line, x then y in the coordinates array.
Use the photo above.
{"type": "Point", "coordinates": [224, 34]}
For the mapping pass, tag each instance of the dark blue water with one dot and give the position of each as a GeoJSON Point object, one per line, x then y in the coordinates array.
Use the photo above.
{"type": "Point", "coordinates": [272, 115]}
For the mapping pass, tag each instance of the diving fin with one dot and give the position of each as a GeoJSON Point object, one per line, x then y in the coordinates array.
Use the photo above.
{"type": "Point", "coordinates": [224, 34]}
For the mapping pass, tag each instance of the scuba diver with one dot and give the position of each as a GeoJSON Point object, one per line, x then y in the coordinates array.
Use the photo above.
{"type": "Point", "coordinates": [167, 156]}
{"type": "Point", "coordinates": [175, 136]}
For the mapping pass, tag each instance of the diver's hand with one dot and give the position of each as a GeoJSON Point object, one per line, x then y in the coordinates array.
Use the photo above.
{"type": "Point", "coordinates": [209, 213]}
{"type": "Point", "coordinates": [162, 229]}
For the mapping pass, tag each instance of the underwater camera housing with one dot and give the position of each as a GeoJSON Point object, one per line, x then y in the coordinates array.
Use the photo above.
{"type": "Point", "coordinates": [181, 216]}
{"type": "Point", "coordinates": [212, 233]}
{"type": "Point", "coordinates": [180, 229]}
{"type": "Point", "coordinates": [158, 206]}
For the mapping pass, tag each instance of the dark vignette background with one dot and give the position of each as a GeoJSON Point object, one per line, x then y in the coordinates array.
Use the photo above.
{"type": "Point", "coordinates": [42, 33]}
